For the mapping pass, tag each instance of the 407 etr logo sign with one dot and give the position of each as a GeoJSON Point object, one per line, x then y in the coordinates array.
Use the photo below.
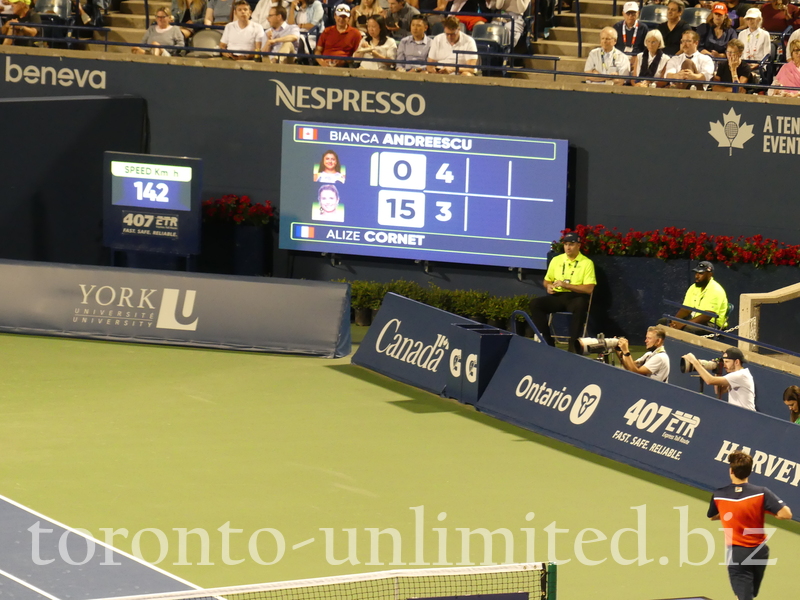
{"type": "Point", "coordinates": [729, 134]}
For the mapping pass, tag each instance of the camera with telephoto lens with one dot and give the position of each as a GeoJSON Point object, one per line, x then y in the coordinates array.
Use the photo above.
{"type": "Point", "coordinates": [708, 365]}
{"type": "Point", "coordinates": [599, 345]}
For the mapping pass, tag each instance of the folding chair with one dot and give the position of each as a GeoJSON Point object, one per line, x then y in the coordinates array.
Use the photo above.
{"type": "Point", "coordinates": [203, 42]}
{"type": "Point", "coordinates": [564, 339]}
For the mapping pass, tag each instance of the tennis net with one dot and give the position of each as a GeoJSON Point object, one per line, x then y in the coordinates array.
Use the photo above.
{"type": "Point", "coordinates": [528, 581]}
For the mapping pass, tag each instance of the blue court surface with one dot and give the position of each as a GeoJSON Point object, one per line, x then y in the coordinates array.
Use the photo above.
{"type": "Point", "coordinates": [41, 558]}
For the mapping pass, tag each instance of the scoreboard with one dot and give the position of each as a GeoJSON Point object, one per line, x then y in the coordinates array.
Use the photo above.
{"type": "Point", "coordinates": [422, 195]}
{"type": "Point", "coordinates": [152, 203]}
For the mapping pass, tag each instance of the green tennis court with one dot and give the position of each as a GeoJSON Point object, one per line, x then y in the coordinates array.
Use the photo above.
{"type": "Point", "coordinates": [264, 453]}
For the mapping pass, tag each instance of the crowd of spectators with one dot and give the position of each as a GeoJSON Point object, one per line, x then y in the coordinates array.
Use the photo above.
{"type": "Point", "coordinates": [715, 56]}
{"type": "Point", "coordinates": [720, 54]}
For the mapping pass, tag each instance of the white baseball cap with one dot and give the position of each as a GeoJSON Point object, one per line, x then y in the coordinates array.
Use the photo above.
{"type": "Point", "coordinates": [753, 13]}
{"type": "Point", "coordinates": [630, 7]}
{"type": "Point", "coordinates": [342, 10]}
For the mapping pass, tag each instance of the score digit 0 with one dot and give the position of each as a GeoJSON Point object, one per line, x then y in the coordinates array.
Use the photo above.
{"type": "Point", "coordinates": [398, 170]}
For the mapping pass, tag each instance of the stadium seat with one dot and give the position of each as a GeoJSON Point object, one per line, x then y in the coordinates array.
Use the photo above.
{"type": "Point", "coordinates": [55, 12]}
{"type": "Point", "coordinates": [492, 38]}
{"type": "Point", "coordinates": [653, 14]}
{"type": "Point", "coordinates": [203, 42]}
{"type": "Point", "coordinates": [695, 16]}
{"type": "Point", "coordinates": [564, 339]}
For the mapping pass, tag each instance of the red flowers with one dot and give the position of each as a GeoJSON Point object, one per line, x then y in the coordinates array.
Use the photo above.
{"type": "Point", "coordinates": [672, 242]}
{"type": "Point", "coordinates": [241, 211]}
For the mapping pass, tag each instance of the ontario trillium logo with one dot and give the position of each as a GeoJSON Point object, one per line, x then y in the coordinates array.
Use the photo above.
{"type": "Point", "coordinates": [729, 133]}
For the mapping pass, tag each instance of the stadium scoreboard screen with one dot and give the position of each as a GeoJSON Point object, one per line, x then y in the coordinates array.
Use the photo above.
{"type": "Point", "coordinates": [422, 195]}
{"type": "Point", "coordinates": [152, 203]}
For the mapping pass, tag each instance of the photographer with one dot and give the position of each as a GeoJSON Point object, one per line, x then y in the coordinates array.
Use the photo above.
{"type": "Point", "coordinates": [738, 381]}
{"type": "Point", "coordinates": [654, 363]}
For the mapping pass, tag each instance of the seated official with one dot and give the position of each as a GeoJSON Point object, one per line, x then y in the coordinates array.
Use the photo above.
{"type": "Point", "coordinates": [706, 294]}
{"type": "Point", "coordinates": [737, 381]}
{"type": "Point", "coordinates": [569, 282]}
{"type": "Point", "coordinates": [654, 363]}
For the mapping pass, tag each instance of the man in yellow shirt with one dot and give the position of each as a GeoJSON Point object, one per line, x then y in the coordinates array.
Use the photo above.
{"type": "Point", "coordinates": [706, 294]}
{"type": "Point", "coordinates": [569, 283]}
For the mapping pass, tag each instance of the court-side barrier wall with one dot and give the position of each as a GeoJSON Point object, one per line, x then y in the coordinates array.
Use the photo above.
{"type": "Point", "coordinates": [183, 309]}
{"type": "Point", "coordinates": [617, 139]}
{"type": "Point", "coordinates": [662, 428]}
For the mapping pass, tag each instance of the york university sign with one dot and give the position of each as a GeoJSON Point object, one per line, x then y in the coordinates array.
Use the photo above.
{"type": "Point", "coordinates": [305, 97]}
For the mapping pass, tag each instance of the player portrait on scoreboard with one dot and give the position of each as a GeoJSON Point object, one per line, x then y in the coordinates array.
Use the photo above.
{"type": "Point", "coordinates": [329, 169]}
{"type": "Point", "coordinates": [328, 206]}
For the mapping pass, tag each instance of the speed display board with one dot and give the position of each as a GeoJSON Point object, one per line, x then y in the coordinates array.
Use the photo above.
{"type": "Point", "coordinates": [423, 195]}
{"type": "Point", "coordinates": [152, 203]}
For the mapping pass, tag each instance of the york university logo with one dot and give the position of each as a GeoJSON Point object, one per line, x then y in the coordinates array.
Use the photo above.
{"type": "Point", "coordinates": [172, 317]}
{"type": "Point", "coordinates": [729, 133]}
{"type": "Point", "coordinates": [136, 308]}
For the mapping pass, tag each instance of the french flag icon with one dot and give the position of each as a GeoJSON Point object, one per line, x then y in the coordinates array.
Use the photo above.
{"type": "Point", "coordinates": [304, 232]}
{"type": "Point", "coordinates": [306, 133]}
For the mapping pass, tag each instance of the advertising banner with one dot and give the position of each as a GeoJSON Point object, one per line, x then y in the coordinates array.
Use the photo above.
{"type": "Point", "coordinates": [410, 342]}
{"type": "Point", "coordinates": [185, 309]}
{"type": "Point", "coordinates": [655, 426]}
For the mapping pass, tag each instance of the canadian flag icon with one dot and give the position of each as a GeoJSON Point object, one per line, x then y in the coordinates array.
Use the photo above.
{"type": "Point", "coordinates": [307, 133]}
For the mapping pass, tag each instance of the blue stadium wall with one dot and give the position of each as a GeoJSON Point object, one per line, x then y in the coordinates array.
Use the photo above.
{"type": "Point", "coordinates": [641, 159]}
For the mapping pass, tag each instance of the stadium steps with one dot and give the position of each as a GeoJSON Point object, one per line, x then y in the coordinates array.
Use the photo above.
{"type": "Point", "coordinates": [127, 24]}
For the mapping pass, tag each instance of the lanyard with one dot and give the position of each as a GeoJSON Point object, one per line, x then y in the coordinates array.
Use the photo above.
{"type": "Point", "coordinates": [625, 36]}
{"type": "Point", "coordinates": [603, 60]}
{"type": "Point", "coordinates": [571, 273]}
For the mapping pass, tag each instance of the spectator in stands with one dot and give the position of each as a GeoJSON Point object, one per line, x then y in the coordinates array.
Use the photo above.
{"type": "Point", "coordinates": [607, 60]}
{"type": "Point", "coordinates": [738, 381]}
{"type": "Point", "coordinates": [651, 63]}
{"type": "Point", "coordinates": [414, 48]}
{"type": "Point", "coordinates": [734, 64]}
{"type": "Point", "coordinates": [569, 283]}
{"type": "Point", "coordinates": [281, 37]}
{"type": "Point", "coordinates": [6, 8]}
{"type": "Point", "coordinates": [23, 13]}
{"type": "Point", "coordinates": [654, 363]}
{"type": "Point", "coordinates": [242, 35]}
{"type": "Point", "coordinates": [690, 65]}
{"type": "Point", "coordinates": [706, 294]}
{"type": "Point", "coordinates": [778, 15]}
{"type": "Point", "coordinates": [162, 33]}
{"type": "Point", "coordinates": [733, 12]}
{"type": "Point", "coordinates": [377, 44]}
{"type": "Point", "coordinates": [791, 398]}
{"type": "Point", "coordinates": [459, 8]}
{"type": "Point", "coordinates": [516, 10]}
{"type": "Point", "coordinates": [789, 75]}
{"type": "Point", "coordinates": [359, 14]}
{"type": "Point", "coordinates": [630, 33]}
{"type": "Point", "coordinates": [338, 40]}
{"type": "Point", "coordinates": [261, 11]}
{"type": "Point", "coordinates": [756, 40]}
{"type": "Point", "coordinates": [672, 29]}
{"type": "Point", "coordinates": [716, 32]}
{"type": "Point", "coordinates": [189, 12]}
{"type": "Point", "coordinates": [307, 15]}
{"type": "Point", "coordinates": [444, 47]}
{"type": "Point", "coordinates": [398, 18]}
{"type": "Point", "coordinates": [219, 12]}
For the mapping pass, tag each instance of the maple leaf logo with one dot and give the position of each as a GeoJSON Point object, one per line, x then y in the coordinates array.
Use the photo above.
{"type": "Point", "coordinates": [730, 133]}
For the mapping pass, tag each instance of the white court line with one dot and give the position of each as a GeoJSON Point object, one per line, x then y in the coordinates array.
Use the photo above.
{"type": "Point", "coordinates": [508, 203]}
{"type": "Point", "coordinates": [33, 588]}
{"type": "Point", "coordinates": [101, 543]}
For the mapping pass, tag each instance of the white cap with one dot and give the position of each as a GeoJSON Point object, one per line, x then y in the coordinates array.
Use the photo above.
{"type": "Point", "coordinates": [753, 13]}
{"type": "Point", "coordinates": [630, 7]}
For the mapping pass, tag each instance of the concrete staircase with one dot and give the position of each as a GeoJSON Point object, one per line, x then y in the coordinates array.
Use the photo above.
{"type": "Point", "coordinates": [127, 25]}
{"type": "Point", "coordinates": [563, 39]}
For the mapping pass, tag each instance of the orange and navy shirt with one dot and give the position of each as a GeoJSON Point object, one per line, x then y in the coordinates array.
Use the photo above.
{"type": "Point", "coordinates": [741, 507]}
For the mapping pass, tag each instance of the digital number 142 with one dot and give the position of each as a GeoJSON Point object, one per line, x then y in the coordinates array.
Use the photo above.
{"type": "Point", "coordinates": [146, 191]}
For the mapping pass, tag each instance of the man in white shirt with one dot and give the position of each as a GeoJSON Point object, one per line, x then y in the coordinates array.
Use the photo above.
{"type": "Point", "coordinates": [690, 64]}
{"type": "Point", "coordinates": [241, 34]}
{"type": "Point", "coordinates": [280, 37]}
{"type": "Point", "coordinates": [738, 381]}
{"type": "Point", "coordinates": [444, 46]}
{"type": "Point", "coordinates": [654, 363]}
{"type": "Point", "coordinates": [607, 60]}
